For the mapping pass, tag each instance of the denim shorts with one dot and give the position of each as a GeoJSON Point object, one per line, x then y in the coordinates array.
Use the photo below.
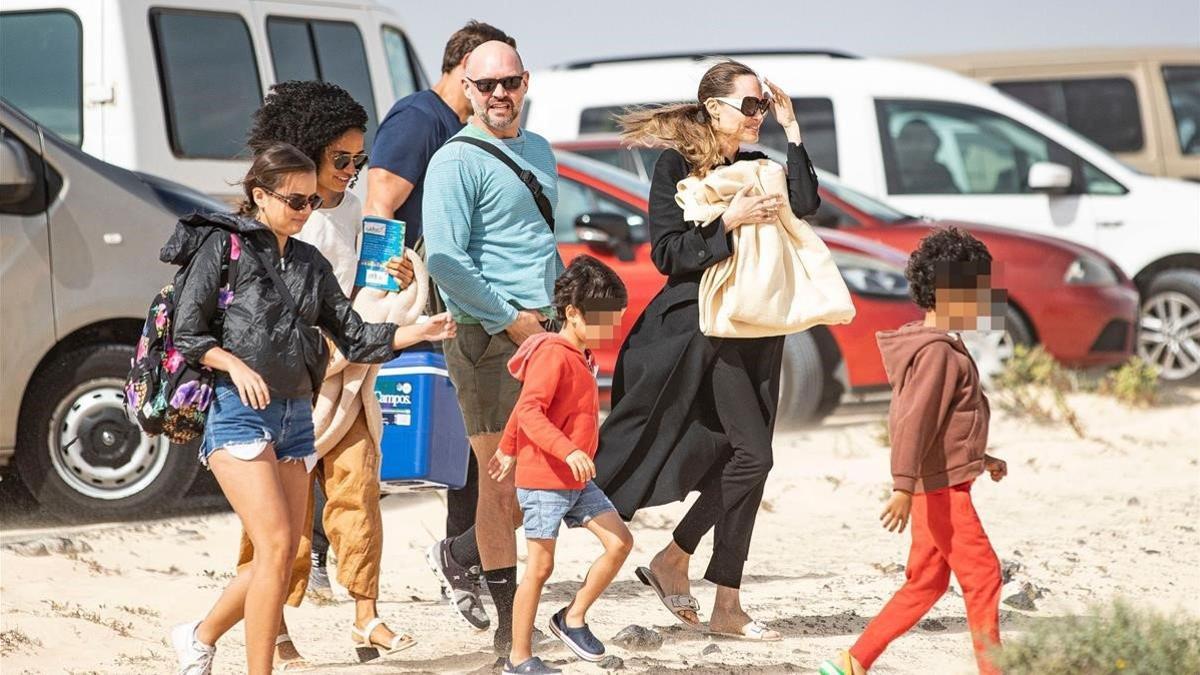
{"type": "Point", "coordinates": [245, 432]}
{"type": "Point", "coordinates": [545, 509]}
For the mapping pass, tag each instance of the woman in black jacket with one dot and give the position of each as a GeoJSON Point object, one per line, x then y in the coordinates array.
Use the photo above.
{"type": "Point", "coordinates": [690, 412]}
{"type": "Point", "coordinates": [270, 357]}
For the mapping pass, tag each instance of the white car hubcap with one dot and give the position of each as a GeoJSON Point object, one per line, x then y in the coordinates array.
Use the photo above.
{"type": "Point", "coordinates": [1170, 335]}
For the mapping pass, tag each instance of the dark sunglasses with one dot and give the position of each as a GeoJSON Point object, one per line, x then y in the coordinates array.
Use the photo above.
{"type": "Point", "coordinates": [487, 85]}
{"type": "Point", "coordinates": [342, 159]}
{"type": "Point", "coordinates": [296, 201]}
{"type": "Point", "coordinates": [748, 106]}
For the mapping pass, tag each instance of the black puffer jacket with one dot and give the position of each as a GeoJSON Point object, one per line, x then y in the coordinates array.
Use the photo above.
{"type": "Point", "coordinates": [258, 328]}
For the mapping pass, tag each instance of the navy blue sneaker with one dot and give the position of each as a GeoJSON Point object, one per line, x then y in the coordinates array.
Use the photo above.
{"type": "Point", "coordinates": [580, 640]}
{"type": "Point", "coordinates": [534, 666]}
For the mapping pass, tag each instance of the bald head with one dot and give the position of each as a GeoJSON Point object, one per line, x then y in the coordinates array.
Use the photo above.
{"type": "Point", "coordinates": [495, 82]}
{"type": "Point", "coordinates": [493, 59]}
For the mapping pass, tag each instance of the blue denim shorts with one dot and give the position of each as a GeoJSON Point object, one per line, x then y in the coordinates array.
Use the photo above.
{"type": "Point", "coordinates": [545, 509]}
{"type": "Point", "coordinates": [245, 432]}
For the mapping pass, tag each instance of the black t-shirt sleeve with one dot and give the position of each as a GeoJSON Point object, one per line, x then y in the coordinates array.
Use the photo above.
{"type": "Point", "coordinates": [405, 142]}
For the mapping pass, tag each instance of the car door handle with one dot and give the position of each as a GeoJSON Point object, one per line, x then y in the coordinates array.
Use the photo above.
{"type": "Point", "coordinates": [1110, 223]}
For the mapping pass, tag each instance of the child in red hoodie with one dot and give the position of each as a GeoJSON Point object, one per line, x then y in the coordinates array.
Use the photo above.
{"type": "Point", "coordinates": [552, 438]}
{"type": "Point", "coordinates": [938, 423]}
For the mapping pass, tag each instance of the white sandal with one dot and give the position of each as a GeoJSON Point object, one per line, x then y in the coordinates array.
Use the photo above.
{"type": "Point", "coordinates": [755, 631]}
{"type": "Point", "coordinates": [368, 649]}
{"type": "Point", "coordinates": [289, 665]}
{"type": "Point", "coordinates": [675, 604]}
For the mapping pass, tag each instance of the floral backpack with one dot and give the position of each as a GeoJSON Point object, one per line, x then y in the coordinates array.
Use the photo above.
{"type": "Point", "coordinates": [163, 392]}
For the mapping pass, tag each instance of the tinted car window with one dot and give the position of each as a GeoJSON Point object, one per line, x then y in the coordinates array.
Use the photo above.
{"type": "Point", "coordinates": [817, 126]}
{"type": "Point", "coordinates": [1103, 109]}
{"type": "Point", "coordinates": [932, 147]}
{"type": "Point", "coordinates": [291, 50]}
{"type": "Point", "coordinates": [400, 62]}
{"type": "Point", "coordinates": [211, 86]}
{"type": "Point", "coordinates": [331, 51]}
{"type": "Point", "coordinates": [574, 200]}
{"type": "Point", "coordinates": [1183, 89]}
{"type": "Point", "coordinates": [40, 67]}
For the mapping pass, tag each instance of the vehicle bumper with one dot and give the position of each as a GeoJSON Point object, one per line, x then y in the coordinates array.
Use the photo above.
{"type": "Point", "coordinates": [1088, 325]}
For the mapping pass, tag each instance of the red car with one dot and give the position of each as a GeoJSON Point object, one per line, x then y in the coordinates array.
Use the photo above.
{"type": "Point", "coordinates": [1070, 299]}
{"type": "Point", "coordinates": [602, 212]}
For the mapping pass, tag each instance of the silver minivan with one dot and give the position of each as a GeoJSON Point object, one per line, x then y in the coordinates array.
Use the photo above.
{"type": "Point", "coordinates": [79, 242]}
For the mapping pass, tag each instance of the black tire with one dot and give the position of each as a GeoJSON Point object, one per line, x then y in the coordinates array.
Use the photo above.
{"type": "Point", "coordinates": [112, 470]}
{"type": "Point", "coordinates": [1017, 326]}
{"type": "Point", "coordinates": [1182, 288]}
{"type": "Point", "coordinates": [809, 389]}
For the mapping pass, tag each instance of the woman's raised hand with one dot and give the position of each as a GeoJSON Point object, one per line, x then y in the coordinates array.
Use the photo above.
{"type": "Point", "coordinates": [781, 105]}
{"type": "Point", "coordinates": [745, 208]}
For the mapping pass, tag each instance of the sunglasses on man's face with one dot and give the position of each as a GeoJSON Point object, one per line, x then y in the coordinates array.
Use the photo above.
{"type": "Point", "coordinates": [487, 85]}
{"type": "Point", "coordinates": [342, 159]}
{"type": "Point", "coordinates": [297, 201]}
{"type": "Point", "coordinates": [748, 106]}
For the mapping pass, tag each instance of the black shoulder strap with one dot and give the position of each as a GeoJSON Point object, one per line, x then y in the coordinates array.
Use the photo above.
{"type": "Point", "coordinates": [526, 176]}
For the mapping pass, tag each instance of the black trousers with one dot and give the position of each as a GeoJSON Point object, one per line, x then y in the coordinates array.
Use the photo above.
{"type": "Point", "coordinates": [744, 398]}
{"type": "Point", "coordinates": [320, 542]}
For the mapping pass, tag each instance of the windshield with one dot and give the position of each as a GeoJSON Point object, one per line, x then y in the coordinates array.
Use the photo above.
{"type": "Point", "coordinates": [868, 205]}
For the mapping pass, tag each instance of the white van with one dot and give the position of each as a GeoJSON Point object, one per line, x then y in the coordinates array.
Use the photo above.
{"type": "Point", "coordinates": [936, 143]}
{"type": "Point", "coordinates": [168, 87]}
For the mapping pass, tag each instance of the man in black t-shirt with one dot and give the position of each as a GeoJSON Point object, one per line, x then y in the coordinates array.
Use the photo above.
{"type": "Point", "coordinates": [414, 129]}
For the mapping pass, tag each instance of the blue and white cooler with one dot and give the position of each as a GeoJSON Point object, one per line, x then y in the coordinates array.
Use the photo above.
{"type": "Point", "coordinates": [424, 441]}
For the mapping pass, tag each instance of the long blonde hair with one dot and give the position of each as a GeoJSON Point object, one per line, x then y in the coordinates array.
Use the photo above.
{"type": "Point", "coordinates": [687, 127]}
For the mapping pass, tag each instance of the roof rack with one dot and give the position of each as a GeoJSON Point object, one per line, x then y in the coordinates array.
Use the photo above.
{"type": "Point", "coordinates": [700, 56]}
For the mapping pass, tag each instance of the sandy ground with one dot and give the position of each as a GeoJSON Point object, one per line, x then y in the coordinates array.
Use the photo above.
{"type": "Point", "coordinates": [1088, 520]}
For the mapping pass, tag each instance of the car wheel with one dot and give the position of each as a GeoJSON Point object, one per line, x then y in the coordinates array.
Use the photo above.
{"type": "Point", "coordinates": [809, 388]}
{"type": "Point", "coordinates": [1169, 326]}
{"type": "Point", "coordinates": [993, 349]}
{"type": "Point", "coordinates": [80, 454]}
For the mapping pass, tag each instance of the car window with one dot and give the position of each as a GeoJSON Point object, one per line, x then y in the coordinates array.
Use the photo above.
{"type": "Point", "coordinates": [817, 126]}
{"type": "Point", "coordinates": [574, 200]}
{"type": "Point", "coordinates": [331, 51]}
{"type": "Point", "coordinates": [857, 200]}
{"type": "Point", "coordinates": [621, 158]}
{"type": "Point", "coordinates": [1183, 89]}
{"type": "Point", "coordinates": [211, 86]}
{"type": "Point", "coordinates": [41, 61]}
{"type": "Point", "coordinates": [1103, 109]}
{"type": "Point", "coordinates": [400, 62]}
{"type": "Point", "coordinates": [932, 147]}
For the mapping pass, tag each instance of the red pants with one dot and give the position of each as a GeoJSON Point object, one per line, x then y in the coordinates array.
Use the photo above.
{"type": "Point", "coordinates": [946, 536]}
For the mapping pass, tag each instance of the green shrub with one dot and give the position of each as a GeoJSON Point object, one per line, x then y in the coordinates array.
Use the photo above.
{"type": "Point", "coordinates": [1026, 377]}
{"type": "Point", "coordinates": [1134, 383]}
{"type": "Point", "coordinates": [1119, 639]}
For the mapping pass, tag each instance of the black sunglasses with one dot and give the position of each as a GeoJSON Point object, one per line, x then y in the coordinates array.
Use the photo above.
{"type": "Point", "coordinates": [748, 106]}
{"type": "Point", "coordinates": [487, 85]}
{"type": "Point", "coordinates": [342, 159]}
{"type": "Point", "coordinates": [296, 201]}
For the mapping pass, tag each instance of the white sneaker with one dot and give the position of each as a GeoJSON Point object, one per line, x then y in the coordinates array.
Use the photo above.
{"type": "Point", "coordinates": [194, 658]}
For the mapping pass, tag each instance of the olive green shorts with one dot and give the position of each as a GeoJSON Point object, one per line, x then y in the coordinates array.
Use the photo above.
{"type": "Point", "coordinates": [478, 367]}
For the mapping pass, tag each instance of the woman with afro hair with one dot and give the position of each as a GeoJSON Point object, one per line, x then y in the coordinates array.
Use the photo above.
{"type": "Point", "coordinates": [328, 125]}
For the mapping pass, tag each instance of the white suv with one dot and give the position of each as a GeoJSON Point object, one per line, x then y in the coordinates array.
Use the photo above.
{"type": "Point", "coordinates": [936, 143]}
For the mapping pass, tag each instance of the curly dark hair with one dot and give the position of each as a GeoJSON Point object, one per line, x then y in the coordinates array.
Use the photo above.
{"type": "Point", "coordinates": [586, 280]}
{"type": "Point", "coordinates": [308, 114]}
{"type": "Point", "coordinates": [947, 258]}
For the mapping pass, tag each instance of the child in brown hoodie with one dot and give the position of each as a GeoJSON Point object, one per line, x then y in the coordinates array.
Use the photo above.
{"type": "Point", "coordinates": [938, 422]}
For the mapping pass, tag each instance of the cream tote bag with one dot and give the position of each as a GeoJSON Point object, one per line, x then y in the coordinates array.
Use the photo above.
{"type": "Point", "coordinates": [780, 279]}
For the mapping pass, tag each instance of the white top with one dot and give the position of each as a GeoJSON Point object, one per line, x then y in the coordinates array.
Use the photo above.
{"type": "Point", "coordinates": [334, 232]}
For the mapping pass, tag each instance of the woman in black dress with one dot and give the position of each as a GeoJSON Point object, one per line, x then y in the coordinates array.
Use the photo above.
{"type": "Point", "coordinates": [690, 412]}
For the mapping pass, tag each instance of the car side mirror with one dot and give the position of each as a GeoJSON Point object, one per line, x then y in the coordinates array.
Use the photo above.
{"type": "Point", "coordinates": [606, 231]}
{"type": "Point", "coordinates": [1049, 177]}
{"type": "Point", "coordinates": [17, 177]}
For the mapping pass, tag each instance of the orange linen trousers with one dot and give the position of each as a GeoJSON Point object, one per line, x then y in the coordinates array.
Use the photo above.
{"type": "Point", "coordinates": [946, 537]}
{"type": "Point", "coordinates": [349, 475]}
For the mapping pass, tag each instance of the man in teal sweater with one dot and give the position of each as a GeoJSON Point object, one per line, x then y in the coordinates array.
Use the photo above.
{"type": "Point", "coordinates": [494, 258]}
